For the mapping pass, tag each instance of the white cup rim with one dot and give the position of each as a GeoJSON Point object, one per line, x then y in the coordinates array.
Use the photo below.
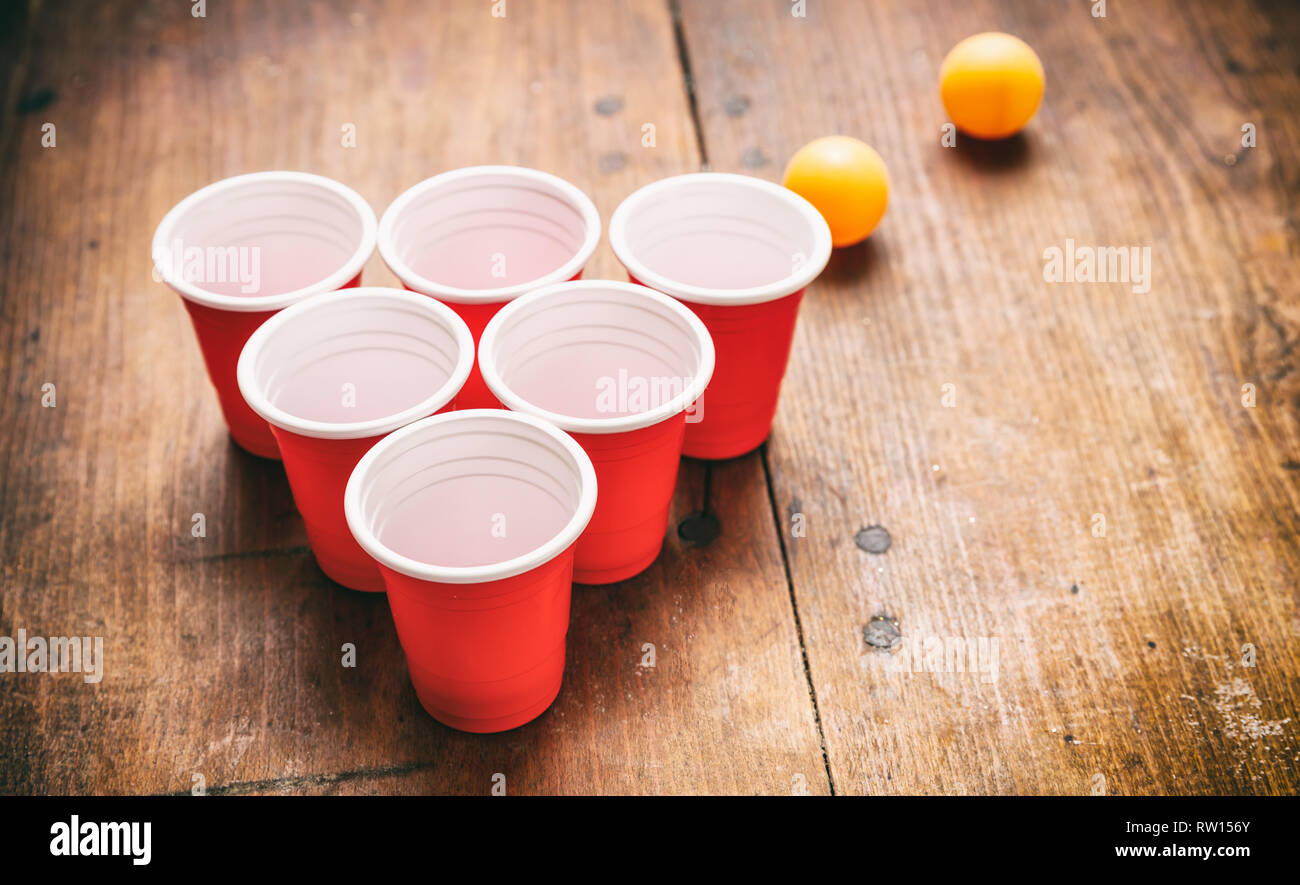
{"type": "Point", "coordinates": [617, 424]}
{"type": "Point", "coordinates": [258, 401]}
{"type": "Point", "coordinates": [799, 279]}
{"type": "Point", "coordinates": [476, 574]}
{"type": "Point", "coordinates": [175, 278]}
{"type": "Point", "coordinates": [404, 272]}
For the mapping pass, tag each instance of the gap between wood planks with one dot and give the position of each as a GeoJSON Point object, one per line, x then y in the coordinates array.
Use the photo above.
{"type": "Point", "coordinates": [684, 59]}
{"type": "Point", "coordinates": [311, 780]}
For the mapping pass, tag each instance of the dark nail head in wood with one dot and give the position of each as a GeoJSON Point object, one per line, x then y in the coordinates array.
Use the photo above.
{"type": "Point", "coordinates": [736, 106]}
{"type": "Point", "coordinates": [873, 539]}
{"type": "Point", "coordinates": [699, 528]}
{"type": "Point", "coordinates": [612, 162]}
{"type": "Point", "coordinates": [882, 633]}
{"type": "Point", "coordinates": [36, 100]}
{"type": "Point", "coordinates": [610, 104]}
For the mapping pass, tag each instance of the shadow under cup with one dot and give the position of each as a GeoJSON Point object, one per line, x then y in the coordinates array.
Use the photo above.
{"type": "Point", "coordinates": [332, 376]}
{"type": "Point", "coordinates": [240, 250]}
{"type": "Point", "coordinates": [616, 365]}
{"type": "Point", "coordinates": [472, 516]}
{"type": "Point", "coordinates": [478, 237]}
{"type": "Point", "coordinates": [738, 251]}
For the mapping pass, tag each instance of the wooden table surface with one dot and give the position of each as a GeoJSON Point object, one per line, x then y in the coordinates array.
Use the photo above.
{"type": "Point", "coordinates": [1099, 485]}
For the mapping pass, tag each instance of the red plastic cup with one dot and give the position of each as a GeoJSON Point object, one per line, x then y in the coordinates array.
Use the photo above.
{"type": "Point", "coordinates": [334, 374]}
{"type": "Point", "coordinates": [479, 237]}
{"type": "Point", "coordinates": [243, 248]}
{"type": "Point", "coordinates": [738, 251]}
{"type": "Point", "coordinates": [472, 517]}
{"type": "Point", "coordinates": [617, 366]}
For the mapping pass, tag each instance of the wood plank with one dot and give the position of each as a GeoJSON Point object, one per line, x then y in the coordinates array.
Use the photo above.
{"type": "Point", "coordinates": [1120, 656]}
{"type": "Point", "coordinates": [223, 652]}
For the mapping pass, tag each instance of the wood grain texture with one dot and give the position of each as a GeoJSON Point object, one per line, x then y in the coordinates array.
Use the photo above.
{"type": "Point", "coordinates": [1120, 656]}
{"type": "Point", "coordinates": [223, 653]}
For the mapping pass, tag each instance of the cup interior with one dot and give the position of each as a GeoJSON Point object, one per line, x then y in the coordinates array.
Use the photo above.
{"type": "Point", "coordinates": [471, 496]}
{"type": "Point", "coordinates": [587, 354]}
{"type": "Point", "coordinates": [355, 363]}
{"type": "Point", "coordinates": [720, 233]}
{"type": "Point", "coordinates": [264, 235]}
{"type": "Point", "coordinates": [488, 228]}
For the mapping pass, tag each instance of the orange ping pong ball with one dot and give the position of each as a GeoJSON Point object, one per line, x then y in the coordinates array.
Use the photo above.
{"type": "Point", "coordinates": [845, 180]}
{"type": "Point", "coordinates": [991, 85]}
